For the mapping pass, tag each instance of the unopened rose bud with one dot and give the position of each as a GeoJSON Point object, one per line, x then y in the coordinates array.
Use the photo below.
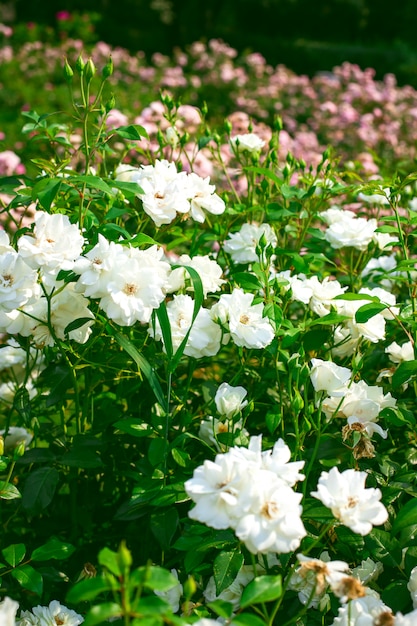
{"type": "Point", "coordinates": [278, 125]}
{"type": "Point", "coordinates": [124, 557]}
{"type": "Point", "coordinates": [19, 450]}
{"type": "Point", "coordinates": [80, 65]}
{"type": "Point", "coordinates": [90, 69]}
{"type": "Point", "coordinates": [108, 68]}
{"type": "Point", "coordinates": [68, 71]}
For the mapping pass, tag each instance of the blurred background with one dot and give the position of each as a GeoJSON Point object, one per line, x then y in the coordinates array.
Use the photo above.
{"type": "Point", "coordinates": [305, 35]}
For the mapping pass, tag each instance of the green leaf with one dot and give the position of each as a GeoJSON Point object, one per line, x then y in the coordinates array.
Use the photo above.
{"type": "Point", "coordinates": [101, 613]}
{"type": "Point", "coordinates": [107, 558]}
{"type": "Point", "coordinates": [133, 132]}
{"type": "Point", "coordinates": [155, 578]}
{"type": "Point", "coordinates": [164, 524]}
{"type": "Point", "coordinates": [88, 589]}
{"type": "Point", "coordinates": [261, 589]}
{"type": "Point", "coordinates": [226, 567]}
{"type": "Point", "coordinates": [143, 365]}
{"type": "Point", "coordinates": [267, 173]}
{"type": "Point", "coordinates": [247, 281]}
{"type": "Point", "coordinates": [221, 608]}
{"type": "Point", "coordinates": [134, 427]}
{"type": "Point", "coordinates": [383, 547]}
{"type": "Point", "coordinates": [53, 549]}
{"type": "Point", "coordinates": [247, 619]}
{"type": "Point", "coordinates": [406, 516]}
{"type": "Point", "coordinates": [140, 239]}
{"type": "Point", "coordinates": [404, 373]}
{"type": "Point", "coordinates": [128, 188]}
{"type": "Point", "coordinates": [39, 489]}
{"type": "Point", "coordinates": [93, 182]}
{"type": "Point", "coordinates": [396, 596]}
{"type": "Point", "coordinates": [367, 311]}
{"type": "Point", "coordinates": [77, 324]}
{"type": "Point", "coordinates": [8, 491]}
{"type": "Point", "coordinates": [46, 191]}
{"type": "Point", "coordinates": [81, 458]}
{"type": "Point", "coordinates": [14, 554]}
{"type": "Point", "coordinates": [29, 578]}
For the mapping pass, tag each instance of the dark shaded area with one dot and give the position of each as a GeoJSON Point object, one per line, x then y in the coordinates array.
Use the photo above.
{"type": "Point", "coordinates": [305, 35]}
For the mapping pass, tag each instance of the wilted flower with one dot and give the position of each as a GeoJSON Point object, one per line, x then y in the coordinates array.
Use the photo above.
{"type": "Point", "coordinates": [350, 502]}
{"type": "Point", "coordinates": [366, 611]}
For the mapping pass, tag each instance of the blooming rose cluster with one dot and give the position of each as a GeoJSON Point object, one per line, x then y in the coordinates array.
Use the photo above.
{"type": "Point", "coordinates": [252, 492]}
{"type": "Point", "coordinates": [242, 245]}
{"type": "Point", "coordinates": [164, 192]}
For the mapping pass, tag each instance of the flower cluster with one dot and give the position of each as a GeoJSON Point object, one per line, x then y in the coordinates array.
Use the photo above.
{"type": "Point", "coordinates": [252, 492]}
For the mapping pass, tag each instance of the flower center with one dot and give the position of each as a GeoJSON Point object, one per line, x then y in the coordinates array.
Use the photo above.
{"type": "Point", "coordinates": [244, 319]}
{"type": "Point", "coordinates": [7, 280]}
{"type": "Point", "coordinates": [352, 502]}
{"type": "Point", "coordinates": [270, 510]}
{"type": "Point", "coordinates": [130, 289]}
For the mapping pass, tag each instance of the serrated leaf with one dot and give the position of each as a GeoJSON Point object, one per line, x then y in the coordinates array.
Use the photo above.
{"type": "Point", "coordinates": [53, 549]}
{"type": "Point", "coordinates": [28, 578]}
{"type": "Point", "coordinates": [226, 567]}
{"type": "Point", "coordinates": [93, 182]}
{"type": "Point", "coordinates": [39, 489]}
{"type": "Point", "coordinates": [261, 589]}
{"type": "Point", "coordinates": [8, 491]}
{"type": "Point", "coordinates": [46, 191]}
{"type": "Point", "coordinates": [14, 554]}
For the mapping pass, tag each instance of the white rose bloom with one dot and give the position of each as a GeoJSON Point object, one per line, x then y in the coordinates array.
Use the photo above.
{"type": "Point", "coordinates": [366, 611]}
{"type": "Point", "coordinates": [202, 198]}
{"type": "Point", "coordinates": [383, 240]}
{"type": "Point", "coordinates": [242, 245]}
{"type": "Point", "coordinates": [248, 142]}
{"type": "Point", "coordinates": [206, 621]}
{"type": "Point", "coordinates": [356, 233]}
{"type": "Point", "coordinates": [386, 298]}
{"type": "Point", "coordinates": [18, 282]}
{"type": "Point", "coordinates": [410, 619]}
{"type": "Point", "coordinates": [336, 214]}
{"type": "Point", "coordinates": [350, 502]}
{"type": "Point", "coordinates": [329, 377]}
{"type": "Point", "coordinates": [399, 354]}
{"type": "Point", "coordinates": [373, 330]}
{"type": "Point", "coordinates": [211, 427]}
{"type": "Point", "coordinates": [278, 462]}
{"type": "Point", "coordinates": [368, 570]}
{"type": "Point", "coordinates": [344, 343]}
{"type": "Point", "coordinates": [301, 290]}
{"type": "Point", "coordinates": [273, 521]}
{"type": "Point", "coordinates": [230, 400]}
{"type": "Point", "coordinates": [8, 610]}
{"type": "Point", "coordinates": [412, 586]}
{"type": "Point", "coordinates": [15, 436]}
{"type": "Point", "coordinates": [376, 198]}
{"type": "Point", "coordinates": [209, 271]}
{"type": "Point", "coordinates": [162, 189]}
{"type": "Point", "coordinates": [5, 246]}
{"type": "Point", "coordinates": [54, 245]}
{"type": "Point", "coordinates": [247, 325]}
{"type": "Point", "coordinates": [233, 592]}
{"type": "Point", "coordinates": [136, 286]}
{"type": "Point", "coordinates": [66, 307]}
{"type": "Point", "coordinates": [323, 293]}
{"type": "Point", "coordinates": [50, 615]}
{"type": "Point", "coordinates": [205, 335]}
{"type": "Point", "coordinates": [96, 268]}
{"type": "Point", "coordinates": [215, 488]}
